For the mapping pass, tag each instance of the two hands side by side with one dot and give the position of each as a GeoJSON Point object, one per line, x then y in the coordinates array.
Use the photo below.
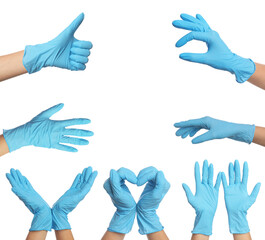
{"type": "Point", "coordinates": [237, 200]}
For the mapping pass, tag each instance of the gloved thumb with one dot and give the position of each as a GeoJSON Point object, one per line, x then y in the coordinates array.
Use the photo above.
{"type": "Point", "coordinates": [76, 23]}
{"type": "Point", "coordinates": [193, 57]}
{"type": "Point", "coordinates": [49, 112]}
{"type": "Point", "coordinates": [203, 138]}
{"type": "Point", "coordinates": [255, 192]}
{"type": "Point", "coordinates": [188, 192]}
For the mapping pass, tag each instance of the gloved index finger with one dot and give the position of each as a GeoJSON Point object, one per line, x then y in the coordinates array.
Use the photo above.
{"type": "Point", "coordinates": [245, 173]}
{"type": "Point", "coordinates": [127, 174]}
{"type": "Point", "coordinates": [146, 175]}
{"type": "Point", "coordinates": [185, 25]}
{"type": "Point", "coordinates": [197, 175]}
{"type": "Point", "coordinates": [191, 123]}
{"type": "Point", "coordinates": [189, 18]}
{"type": "Point", "coordinates": [199, 16]}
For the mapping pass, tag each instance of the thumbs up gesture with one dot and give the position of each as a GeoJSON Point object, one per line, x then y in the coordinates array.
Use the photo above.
{"type": "Point", "coordinates": [64, 51]}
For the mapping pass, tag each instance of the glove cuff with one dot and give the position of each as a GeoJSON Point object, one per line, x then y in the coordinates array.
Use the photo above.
{"type": "Point", "coordinates": [244, 133]}
{"type": "Point", "coordinates": [42, 221]}
{"type": "Point", "coordinates": [148, 221]}
{"type": "Point", "coordinates": [244, 68]}
{"type": "Point", "coordinates": [203, 223]}
{"type": "Point", "coordinates": [15, 138]}
{"type": "Point", "coordinates": [36, 57]}
{"type": "Point", "coordinates": [122, 221]}
{"type": "Point", "coordinates": [238, 223]}
{"type": "Point", "coordinates": [59, 220]}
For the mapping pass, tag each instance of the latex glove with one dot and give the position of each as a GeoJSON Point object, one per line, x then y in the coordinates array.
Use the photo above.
{"type": "Point", "coordinates": [205, 199]}
{"type": "Point", "coordinates": [41, 131]}
{"type": "Point", "coordinates": [71, 198]}
{"type": "Point", "coordinates": [218, 55]}
{"type": "Point", "coordinates": [237, 200]}
{"type": "Point", "coordinates": [33, 201]}
{"type": "Point", "coordinates": [217, 129]}
{"type": "Point", "coordinates": [64, 51]}
{"type": "Point", "coordinates": [156, 188]}
{"type": "Point", "coordinates": [122, 199]}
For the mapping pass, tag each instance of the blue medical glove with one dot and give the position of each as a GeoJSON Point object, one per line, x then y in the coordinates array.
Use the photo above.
{"type": "Point", "coordinates": [64, 51]}
{"type": "Point", "coordinates": [33, 201]}
{"type": "Point", "coordinates": [122, 199]}
{"type": "Point", "coordinates": [71, 198]}
{"type": "Point", "coordinates": [156, 188]}
{"type": "Point", "coordinates": [205, 200]}
{"type": "Point", "coordinates": [43, 132]}
{"type": "Point", "coordinates": [237, 200]}
{"type": "Point", "coordinates": [218, 55]}
{"type": "Point", "coordinates": [217, 129]}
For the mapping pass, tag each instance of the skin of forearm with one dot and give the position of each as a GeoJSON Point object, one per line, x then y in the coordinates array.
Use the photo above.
{"type": "Point", "coordinates": [161, 235]}
{"type": "Point", "coordinates": [11, 65]}
{"type": "Point", "coordinates": [38, 235]}
{"type": "Point", "coordinates": [258, 78]}
{"type": "Point", "coordinates": [3, 146]}
{"type": "Point", "coordinates": [64, 235]}
{"type": "Point", "coordinates": [245, 236]}
{"type": "Point", "coordinates": [259, 136]}
{"type": "Point", "coordinates": [113, 236]}
{"type": "Point", "coordinates": [199, 237]}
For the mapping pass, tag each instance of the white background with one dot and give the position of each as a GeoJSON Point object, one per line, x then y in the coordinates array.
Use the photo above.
{"type": "Point", "coordinates": [134, 88]}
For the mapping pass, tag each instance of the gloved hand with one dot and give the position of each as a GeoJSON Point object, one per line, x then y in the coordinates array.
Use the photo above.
{"type": "Point", "coordinates": [122, 199]}
{"type": "Point", "coordinates": [155, 190]}
{"type": "Point", "coordinates": [205, 200]}
{"type": "Point", "coordinates": [71, 198]}
{"type": "Point", "coordinates": [64, 51]}
{"type": "Point", "coordinates": [237, 200]}
{"type": "Point", "coordinates": [218, 55]}
{"type": "Point", "coordinates": [43, 132]}
{"type": "Point", "coordinates": [33, 201]}
{"type": "Point", "coordinates": [217, 130]}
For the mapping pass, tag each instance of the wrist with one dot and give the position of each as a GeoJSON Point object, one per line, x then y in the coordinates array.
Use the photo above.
{"type": "Point", "coordinates": [244, 133]}
{"type": "Point", "coordinates": [238, 223]}
{"type": "Point", "coordinates": [243, 68]}
{"type": "Point", "coordinates": [203, 223]}
{"type": "Point", "coordinates": [15, 138]}
{"type": "Point", "coordinates": [148, 221]}
{"type": "Point", "coordinates": [36, 57]}
{"type": "Point", "coordinates": [122, 221]}
{"type": "Point", "coordinates": [59, 220]}
{"type": "Point", "coordinates": [42, 221]}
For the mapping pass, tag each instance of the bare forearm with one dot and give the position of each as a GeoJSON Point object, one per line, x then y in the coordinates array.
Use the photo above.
{"type": "Point", "coordinates": [161, 235]}
{"type": "Point", "coordinates": [38, 235]}
{"type": "Point", "coordinates": [3, 146]}
{"type": "Point", "coordinates": [245, 236]}
{"type": "Point", "coordinates": [113, 236]}
{"type": "Point", "coordinates": [259, 136]}
{"type": "Point", "coordinates": [64, 235]}
{"type": "Point", "coordinates": [199, 237]}
{"type": "Point", "coordinates": [11, 65]}
{"type": "Point", "coordinates": [258, 78]}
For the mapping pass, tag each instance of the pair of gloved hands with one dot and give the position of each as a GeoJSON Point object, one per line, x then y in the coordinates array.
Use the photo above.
{"type": "Point", "coordinates": [46, 218]}
{"type": "Point", "coordinates": [156, 188]}
{"type": "Point", "coordinates": [236, 197]}
{"type": "Point", "coordinates": [218, 56]}
{"type": "Point", "coordinates": [41, 131]}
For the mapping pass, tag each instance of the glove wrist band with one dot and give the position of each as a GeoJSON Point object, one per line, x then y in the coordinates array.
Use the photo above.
{"type": "Point", "coordinates": [238, 223]}
{"type": "Point", "coordinates": [148, 222]}
{"type": "Point", "coordinates": [127, 218]}
{"type": "Point", "coordinates": [203, 223]}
